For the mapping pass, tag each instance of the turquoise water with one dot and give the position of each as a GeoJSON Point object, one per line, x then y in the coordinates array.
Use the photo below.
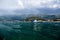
{"type": "Point", "coordinates": [29, 31]}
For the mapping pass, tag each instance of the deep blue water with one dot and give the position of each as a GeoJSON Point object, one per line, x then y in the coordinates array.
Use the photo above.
{"type": "Point", "coordinates": [29, 31]}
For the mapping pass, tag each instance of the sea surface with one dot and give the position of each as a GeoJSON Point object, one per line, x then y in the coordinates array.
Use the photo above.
{"type": "Point", "coordinates": [29, 30]}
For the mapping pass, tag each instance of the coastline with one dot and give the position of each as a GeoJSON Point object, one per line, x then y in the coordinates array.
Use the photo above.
{"type": "Point", "coordinates": [29, 21]}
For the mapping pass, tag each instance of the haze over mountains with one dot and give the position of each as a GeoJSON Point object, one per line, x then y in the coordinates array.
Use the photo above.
{"type": "Point", "coordinates": [43, 11]}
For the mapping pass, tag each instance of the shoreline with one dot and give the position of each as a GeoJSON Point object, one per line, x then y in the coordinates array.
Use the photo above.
{"type": "Point", "coordinates": [29, 21]}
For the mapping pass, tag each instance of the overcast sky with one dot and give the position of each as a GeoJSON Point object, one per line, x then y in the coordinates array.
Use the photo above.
{"type": "Point", "coordinates": [27, 4]}
{"type": "Point", "coordinates": [13, 4]}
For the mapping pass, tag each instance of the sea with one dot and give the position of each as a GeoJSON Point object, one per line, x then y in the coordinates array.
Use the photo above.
{"type": "Point", "coordinates": [29, 30]}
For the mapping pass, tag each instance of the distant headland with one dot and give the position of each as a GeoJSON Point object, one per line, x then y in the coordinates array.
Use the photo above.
{"type": "Point", "coordinates": [31, 18]}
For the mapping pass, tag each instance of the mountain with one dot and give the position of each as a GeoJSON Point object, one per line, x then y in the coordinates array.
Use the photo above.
{"type": "Point", "coordinates": [42, 11]}
{"type": "Point", "coordinates": [33, 11]}
{"type": "Point", "coordinates": [49, 11]}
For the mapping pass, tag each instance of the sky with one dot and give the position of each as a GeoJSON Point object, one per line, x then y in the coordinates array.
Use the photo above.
{"type": "Point", "coordinates": [11, 5]}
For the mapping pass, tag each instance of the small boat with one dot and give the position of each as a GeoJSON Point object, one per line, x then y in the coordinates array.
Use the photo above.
{"type": "Point", "coordinates": [35, 21]}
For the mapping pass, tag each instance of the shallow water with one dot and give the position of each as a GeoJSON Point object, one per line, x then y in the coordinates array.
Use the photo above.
{"type": "Point", "coordinates": [29, 31]}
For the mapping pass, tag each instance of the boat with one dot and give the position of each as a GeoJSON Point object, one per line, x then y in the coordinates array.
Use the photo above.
{"type": "Point", "coordinates": [35, 21]}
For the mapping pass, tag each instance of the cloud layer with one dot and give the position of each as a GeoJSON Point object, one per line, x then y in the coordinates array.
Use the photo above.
{"type": "Point", "coordinates": [42, 3]}
{"type": "Point", "coordinates": [8, 4]}
{"type": "Point", "coordinates": [29, 6]}
{"type": "Point", "coordinates": [19, 4]}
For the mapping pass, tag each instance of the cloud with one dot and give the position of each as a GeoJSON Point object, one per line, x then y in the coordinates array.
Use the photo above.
{"type": "Point", "coordinates": [42, 3]}
{"type": "Point", "coordinates": [21, 4]}
{"type": "Point", "coordinates": [8, 4]}
{"type": "Point", "coordinates": [32, 5]}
